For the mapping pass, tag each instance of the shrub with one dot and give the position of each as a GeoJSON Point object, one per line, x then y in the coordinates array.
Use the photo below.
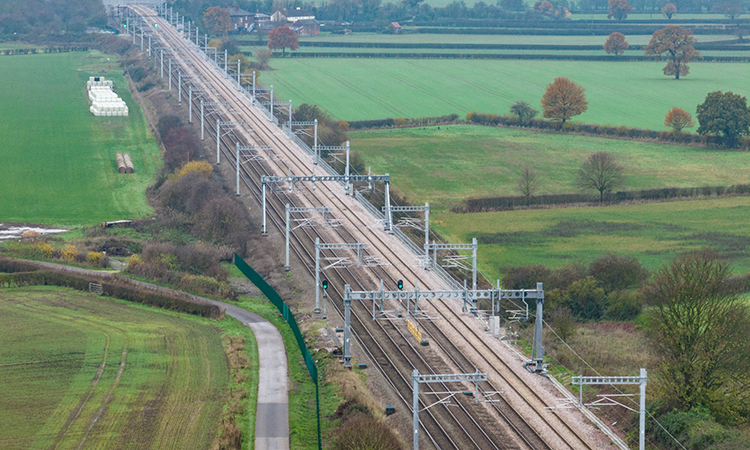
{"type": "Point", "coordinates": [187, 194]}
{"type": "Point", "coordinates": [200, 167]}
{"type": "Point", "coordinates": [624, 305]}
{"type": "Point", "coordinates": [133, 262]}
{"type": "Point", "coordinates": [526, 277]}
{"type": "Point", "coordinates": [46, 249]}
{"type": "Point", "coordinates": [585, 299]}
{"type": "Point", "coordinates": [615, 272]}
{"type": "Point", "coordinates": [400, 122]}
{"type": "Point", "coordinates": [94, 258]}
{"type": "Point", "coordinates": [563, 322]}
{"type": "Point", "coordinates": [69, 252]}
{"type": "Point", "coordinates": [363, 432]}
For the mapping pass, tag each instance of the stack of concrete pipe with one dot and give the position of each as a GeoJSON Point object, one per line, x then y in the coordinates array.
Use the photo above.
{"type": "Point", "coordinates": [124, 164]}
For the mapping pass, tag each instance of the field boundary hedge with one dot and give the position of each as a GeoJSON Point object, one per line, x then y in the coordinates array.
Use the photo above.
{"type": "Point", "coordinates": [20, 273]}
{"type": "Point", "coordinates": [42, 50]}
{"type": "Point", "coordinates": [507, 203]}
{"type": "Point", "coordinates": [733, 44]}
{"type": "Point", "coordinates": [596, 58]}
{"type": "Point", "coordinates": [558, 31]}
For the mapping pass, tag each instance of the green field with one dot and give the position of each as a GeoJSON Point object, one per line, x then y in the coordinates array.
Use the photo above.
{"type": "Point", "coordinates": [58, 160]}
{"type": "Point", "coordinates": [456, 162]}
{"type": "Point", "coordinates": [654, 233]}
{"type": "Point", "coordinates": [429, 38]}
{"type": "Point", "coordinates": [635, 94]}
{"type": "Point", "coordinates": [447, 165]}
{"type": "Point", "coordinates": [81, 371]}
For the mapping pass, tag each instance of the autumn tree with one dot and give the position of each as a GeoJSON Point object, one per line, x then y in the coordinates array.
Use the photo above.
{"type": "Point", "coordinates": [676, 42]}
{"type": "Point", "coordinates": [600, 172]}
{"type": "Point", "coordinates": [524, 111]}
{"type": "Point", "coordinates": [732, 8]}
{"type": "Point", "coordinates": [563, 99]}
{"type": "Point", "coordinates": [677, 119]}
{"type": "Point", "coordinates": [726, 115]}
{"type": "Point", "coordinates": [616, 44]}
{"type": "Point", "coordinates": [669, 10]}
{"type": "Point", "coordinates": [699, 330]}
{"type": "Point", "coordinates": [217, 20]}
{"type": "Point", "coordinates": [528, 184]}
{"type": "Point", "coordinates": [619, 9]}
{"type": "Point", "coordinates": [281, 38]}
{"type": "Point", "coordinates": [262, 55]}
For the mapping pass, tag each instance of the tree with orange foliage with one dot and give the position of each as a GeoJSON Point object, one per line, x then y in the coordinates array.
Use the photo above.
{"type": "Point", "coordinates": [676, 42]}
{"type": "Point", "coordinates": [677, 119]}
{"type": "Point", "coordinates": [217, 20]}
{"type": "Point", "coordinates": [563, 99]}
{"type": "Point", "coordinates": [619, 9]}
{"type": "Point", "coordinates": [281, 38]}
{"type": "Point", "coordinates": [669, 10]}
{"type": "Point", "coordinates": [616, 44]}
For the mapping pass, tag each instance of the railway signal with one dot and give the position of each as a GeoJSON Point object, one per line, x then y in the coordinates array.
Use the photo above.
{"type": "Point", "coordinates": [325, 284]}
{"type": "Point", "coordinates": [400, 284]}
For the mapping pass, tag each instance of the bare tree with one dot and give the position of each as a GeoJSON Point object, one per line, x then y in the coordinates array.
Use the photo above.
{"type": "Point", "coordinates": [600, 172]}
{"type": "Point", "coordinates": [528, 184]}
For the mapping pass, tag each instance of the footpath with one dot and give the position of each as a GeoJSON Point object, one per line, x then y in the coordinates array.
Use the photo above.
{"type": "Point", "coordinates": [272, 411]}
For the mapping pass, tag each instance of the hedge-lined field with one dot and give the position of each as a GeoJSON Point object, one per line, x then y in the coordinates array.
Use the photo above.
{"type": "Point", "coordinates": [634, 94]}
{"type": "Point", "coordinates": [654, 233]}
{"type": "Point", "coordinates": [78, 369]}
{"type": "Point", "coordinates": [58, 160]}
{"type": "Point", "coordinates": [443, 166]}
{"type": "Point", "coordinates": [420, 38]}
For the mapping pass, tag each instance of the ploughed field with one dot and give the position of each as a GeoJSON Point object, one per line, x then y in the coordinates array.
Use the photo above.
{"type": "Point", "coordinates": [58, 160]}
{"type": "Point", "coordinates": [634, 94]}
{"type": "Point", "coordinates": [82, 371]}
{"type": "Point", "coordinates": [443, 166]}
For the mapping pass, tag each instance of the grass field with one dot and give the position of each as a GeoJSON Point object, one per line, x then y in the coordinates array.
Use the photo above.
{"type": "Point", "coordinates": [432, 165]}
{"type": "Point", "coordinates": [429, 38]}
{"type": "Point", "coordinates": [634, 94]}
{"type": "Point", "coordinates": [81, 371]}
{"type": "Point", "coordinates": [654, 233]}
{"type": "Point", "coordinates": [444, 166]}
{"type": "Point", "coordinates": [58, 160]}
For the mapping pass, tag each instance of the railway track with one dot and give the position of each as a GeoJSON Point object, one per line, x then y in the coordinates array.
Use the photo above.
{"type": "Point", "coordinates": [384, 343]}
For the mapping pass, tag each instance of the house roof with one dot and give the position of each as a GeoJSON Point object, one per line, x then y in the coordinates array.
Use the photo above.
{"type": "Point", "coordinates": [299, 13]}
{"type": "Point", "coordinates": [236, 12]}
{"type": "Point", "coordinates": [306, 22]}
{"type": "Point", "coordinates": [278, 17]}
{"type": "Point", "coordinates": [395, 25]}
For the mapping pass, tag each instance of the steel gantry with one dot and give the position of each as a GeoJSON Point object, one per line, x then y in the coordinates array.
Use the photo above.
{"type": "Point", "coordinates": [639, 380]}
{"type": "Point", "coordinates": [453, 260]}
{"type": "Point", "coordinates": [305, 222]}
{"type": "Point", "coordinates": [402, 222]}
{"type": "Point", "coordinates": [417, 379]}
{"type": "Point", "coordinates": [290, 179]}
{"type": "Point", "coordinates": [357, 246]}
{"type": "Point", "coordinates": [466, 296]}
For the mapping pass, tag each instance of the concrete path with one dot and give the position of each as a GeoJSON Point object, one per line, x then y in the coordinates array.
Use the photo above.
{"type": "Point", "coordinates": [272, 412]}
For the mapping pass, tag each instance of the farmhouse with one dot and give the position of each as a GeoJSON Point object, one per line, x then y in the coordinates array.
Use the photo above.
{"type": "Point", "coordinates": [241, 20]}
{"type": "Point", "coordinates": [299, 14]}
{"type": "Point", "coordinates": [306, 27]}
{"type": "Point", "coordinates": [394, 27]}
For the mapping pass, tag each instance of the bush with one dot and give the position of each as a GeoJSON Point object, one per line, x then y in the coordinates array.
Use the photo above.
{"type": "Point", "coordinates": [623, 305]}
{"type": "Point", "coordinates": [46, 249]}
{"type": "Point", "coordinates": [94, 258]}
{"type": "Point", "coordinates": [526, 277]}
{"type": "Point", "coordinates": [697, 430]}
{"type": "Point", "coordinates": [363, 432]}
{"type": "Point", "coordinates": [69, 253]}
{"type": "Point", "coordinates": [586, 300]}
{"type": "Point", "coordinates": [615, 272]}
{"type": "Point", "coordinates": [201, 167]}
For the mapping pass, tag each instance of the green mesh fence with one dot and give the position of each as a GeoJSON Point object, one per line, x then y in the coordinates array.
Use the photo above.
{"type": "Point", "coordinates": [283, 308]}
